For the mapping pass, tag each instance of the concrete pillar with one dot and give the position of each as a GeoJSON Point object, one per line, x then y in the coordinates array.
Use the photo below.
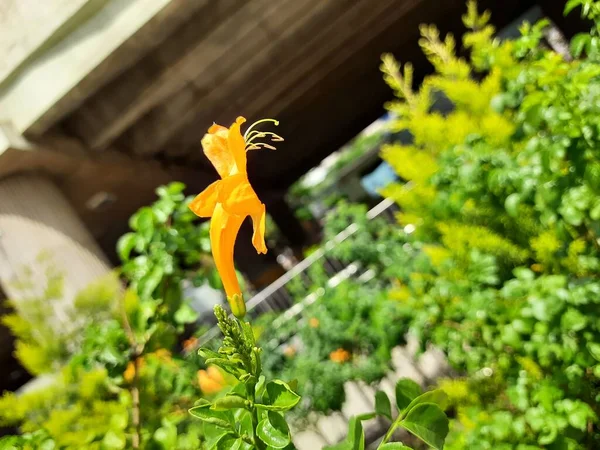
{"type": "Point", "coordinates": [36, 219]}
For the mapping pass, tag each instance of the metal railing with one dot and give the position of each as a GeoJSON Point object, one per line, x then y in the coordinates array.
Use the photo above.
{"type": "Point", "coordinates": [280, 297]}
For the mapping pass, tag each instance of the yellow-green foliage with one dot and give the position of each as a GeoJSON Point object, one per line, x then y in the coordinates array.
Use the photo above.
{"type": "Point", "coordinates": [409, 162]}
{"type": "Point", "coordinates": [77, 409]}
{"type": "Point", "coordinates": [46, 327]}
{"type": "Point", "coordinates": [503, 191]}
{"type": "Point", "coordinates": [432, 131]}
{"type": "Point", "coordinates": [545, 247]}
{"type": "Point", "coordinates": [461, 239]}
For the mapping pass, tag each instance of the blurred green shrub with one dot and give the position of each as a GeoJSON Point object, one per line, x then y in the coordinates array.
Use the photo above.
{"type": "Point", "coordinates": [503, 194]}
{"type": "Point", "coordinates": [112, 374]}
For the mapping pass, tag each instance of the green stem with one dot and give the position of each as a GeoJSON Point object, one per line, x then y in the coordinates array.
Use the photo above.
{"type": "Point", "coordinates": [260, 445]}
{"type": "Point", "coordinates": [391, 430]}
{"type": "Point", "coordinates": [251, 389]}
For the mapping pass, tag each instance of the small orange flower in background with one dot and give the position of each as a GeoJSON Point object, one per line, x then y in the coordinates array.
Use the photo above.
{"type": "Point", "coordinates": [211, 380]}
{"type": "Point", "coordinates": [190, 344]}
{"type": "Point", "coordinates": [231, 199]}
{"type": "Point", "coordinates": [163, 354]}
{"type": "Point", "coordinates": [313, 322]}
{"type": "Point", "coordinates": [537, 267]}
{"type": "Point", "coordinates": [340, 355]}
{"type": "Point", "coordinates": [289, 351]}
{"type": "Point", "coordinates": [129, 373]}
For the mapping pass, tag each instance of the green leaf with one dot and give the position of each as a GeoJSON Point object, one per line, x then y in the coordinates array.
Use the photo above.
{"type": "Point", "coordinates": [220, 419]}
{"type": "Point", "coordinates": [174, 189]}
{"type": "Point", "coordinates": [185, 314]}
{"type": "Point", "coordinates": [260, 387]}
{"type": "Point", "coordinates": [148, 284]}
{"type": "Point", "coordinates": [573, 320]}
{"type": "Point", "coordinates": [273, 430]}
{"type": "Point", "coordinates": [166, 435]}
{"type": "Point", "coordinates": [406, 391]}
{"type": "Point", "coordinates": [356, 435]}
{"type": "Point", "coordinates": [125, 244]}
{"type": "Point", "coordinates": [207, 353]}
{"type": "Point", "coordinates": [229, 402]}
{"type": "Point", "coordinates": [437, 397]}
{"type": "Point", "coordinates": [143, 222]}
{"type": "Point", "coordinates": [394, 446]}
{"type": "Point", "coordinates": [571, 5]}
{"type": "Point", "coordinates": [595, 210]}
{"type": "Point", "coordinates": [594, 349]}
{"type": "Point", "coordinates": [112, 440]}
{"type": "Point", "coordinates": [228, 442]}
{"type": "Point", "coordinates": [511, 204]}
{"type": "Point", "coordinates": [429, 423]}
{"type": "Point", "coordinates": [382, 404]}
{"type": "Point", "coordinates": [280, 397]}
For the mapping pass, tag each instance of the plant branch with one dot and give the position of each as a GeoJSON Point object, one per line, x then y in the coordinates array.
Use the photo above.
{"type": "Point", "coordinates": [137, 350]}
{"type": "Point", "coordinates": [390, 432]}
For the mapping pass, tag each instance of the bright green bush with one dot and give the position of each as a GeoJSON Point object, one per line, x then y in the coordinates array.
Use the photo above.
{"type": "Point", "coordinates": [503, 192]}
{"type": "Point", "coordinates": [113, 377]}
{"type": "Point", "coordinates": [348, 334]}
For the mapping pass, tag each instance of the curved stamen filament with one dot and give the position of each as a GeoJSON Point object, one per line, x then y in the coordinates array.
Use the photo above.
{"type": "Point", "coordinates": [276, 122]}
{"type": "Point", "coordinates": [259, 145]}
{"type": "Point", "coordinates": [261, 134]}
{"type": "Point", "coordinates": [250, 136]}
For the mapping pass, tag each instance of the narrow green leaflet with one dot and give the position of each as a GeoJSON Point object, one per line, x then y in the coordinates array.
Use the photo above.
{"type": "Point", "coordinates": [280, 397]}
{"type": "Point", "coordinates": [394, 446]}
{"type": "Point", "coordinates": [273, 430]}
{"type": "Point", "coordinates": [383, 406]}
{"type": "Point", "coordinates": [356, 435]}
{"type": "Point", "coordinates": [125, 245]}
{"type": "Point", "coordinates": [436, 396]}
{"type": "Point", "coordinates": [228, 442]}
{"type": "Point", "coordinates": [229, 402]}
{"type": "Point", "coordinates": [220, 419]}
{"type": "Point", "coordinates": [406, 391]}
{"type": "Point", "coordinates": [429, 423]}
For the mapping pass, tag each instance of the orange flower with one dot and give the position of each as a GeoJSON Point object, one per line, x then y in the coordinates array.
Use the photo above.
{"type": "Point", "coordinates": [339, 356]}
{"type": "Point", "coordinates": [210, 380]}
{"type": "Point", "coordinates": [163, 354]}
{"type": "Point", "coordinates": [190, 344]}
{"type": "Point", "coordinates": [230, 200]}
{"type": "Point", "coordinates": [131, 368]}
{"type": "Point", "coordinates": [129, 373]}
{"type": "Point", "coordinates": [313, 322]}
{"type": "Point", "coordinates": [289, 351]}
{"type": "Point", "coordinates": [537, 267]}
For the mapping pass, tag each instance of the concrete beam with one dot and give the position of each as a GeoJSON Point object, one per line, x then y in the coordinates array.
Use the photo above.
{"type": "Point", "coordinates": [154, 79]}
{"type": "Point", "coordinates": [58, 79]}
{"type": "Point", "coordinates": [27, 27]}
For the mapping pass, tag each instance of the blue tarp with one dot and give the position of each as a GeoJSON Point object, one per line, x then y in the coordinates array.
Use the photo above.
{"type": "Point", "coordinates": [378, 179]}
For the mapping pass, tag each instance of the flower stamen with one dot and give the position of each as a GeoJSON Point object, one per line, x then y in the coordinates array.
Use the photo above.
{"type": "Point", "coordinates": [250, 136]}
{"type": "Point", "coordinates": [276, 122]}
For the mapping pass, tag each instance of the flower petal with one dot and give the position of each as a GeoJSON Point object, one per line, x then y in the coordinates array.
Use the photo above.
{"type": "Point", "coordinates": [238, 197]}
{"type": "Point", "coordinates": [224, 228]}
{"type": "Point", "coordinates": [226, 148]}
{"type": "Point", "coordinates": [204, 203]}
{"type": "Point", "coordinates": [216, 149]}
{"type": "Point", "coordinates": [237, 145]}
{"type": "Point", "coordinates": [259, 225]}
